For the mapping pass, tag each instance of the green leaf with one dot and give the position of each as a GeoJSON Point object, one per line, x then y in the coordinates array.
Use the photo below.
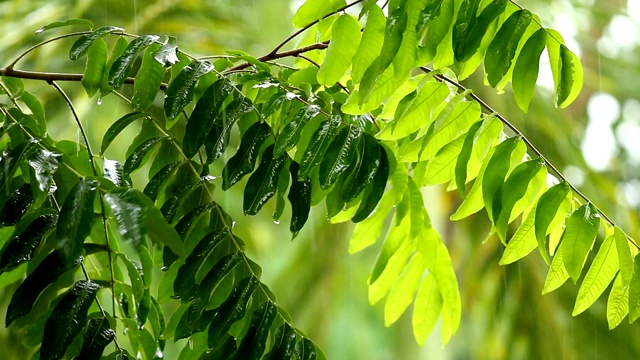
{"type": "Point", "coordinates": [68, 22]}
{"type": "Point", "coordinates": [262, 184]}
{"type": "Point", "coordinates": [81, 46]}
{"type": "Point", "coordinates": [441, 168]}
{"type": "Point", "coordinates": [244, 160]}
{"type": "Point", "coordinates": [218, 138]}
{"type": "Point", "coordinates": [525, 72]}
{"type": "Point", "coordinates": [26, 238]}
{"type": "Point", "coordinates": [232, 310]}
{"type": "Point", "coordinates": [570, 81]}
{"type": "Point", "coordinates": [339, 155]}
{"type": "Point", "coordinates": [15, 207]}
{"type": "Point", "coordinates": [449, 127]}
{"type": "Point", "coordinates": [134, 271]}
{"type": "Point", "coordinates": [547, 211]}
{"type": "Point", "coordinates": [128, 213]}
{"type": "Point", "coordinates": [496, 171]}
{"type": "Point", "coordinates": [462, 161]}
{"type": "Point", "coordinates": [96, 337]}
{"type": "Point", "coordinates": [148, 80]}
{"type": "Point", "coordinates": [300, 199]}
{"type": "Point", "coordinates": [320, 141]}
{"type": "Point", "coordinates": [503, 48]}
{"type": "Point", "coordinates": [371, 43]}
{"type": "Point", "coordinates": [75, 220]}
{"type": "Point", "coordinates": [374, 191]}
{"type": "Point", "coordinates": [578, 237]}
{"type": "Point", "coordinates": [368, 230]}
{"type": "Point", "coordinates": [158, 230]}
{"type": "Point", "coordinates": [45, 164]}
{"type": "Point", "coordinates": [137, 157]}
{"type": "Point", "coordinates": [403, 291]}
{"type": "Point", "coordinates": [426, 309]}
{"type": "Point", "coordinates": [514, 188]}
{"type": "Point", "coordinates": [290, 134]}
{"type": "Point", "coordinates": [161, 177]}
{"type": "Point", "coordinates": [67, 319]}
{"type": "Point", "coordinates": [122, 66]}
{"type": "Point", "coordinates": [618, 303]}
{"type": "Point", "coordinates": [118, 49]}
{"type": "Point", "coordinates": [221, 268]}
{"type": "Point", "coordinates": [522, 243]}
{"type": "Point", "coordinates": [465, 21]}
{"type": "Point", "coordinates": [345, 39]}
{"type": "Point", "coordinates": [365, 169]}
{"type": "Point", "coordinates": [625, 259]}
{"type": "Point", "coordinates": [9, 163]}
{"type": "Point", "coordinates": [313, 10]}
{"type": "Point", "coordinates": [144, 307]}
{"type": "Point", "coordinates": [284, 343]}
{"type": "Point", "coordinates": [634, 290]}
{"type": "Point", "coordinates": [602, 271]}
{"type": "Point", "coordinates": [305, 349]}
{"type": "Point", "coordinates": [117, 127]}
{"type": "Point", "coordinates": [95, 68]}
{"type": "Point", "coordinates": [180, 91]}
{"type": "Point", "coordinates": [557, 273]}
{"type": "Point", "coordinates": [254, 342]}
{"type": "Point", "coordinates": [167, 54]}
{"type": "Point", "coordinates": [202, 117]}
{"type": "Point", "coordinates": [47, 272]}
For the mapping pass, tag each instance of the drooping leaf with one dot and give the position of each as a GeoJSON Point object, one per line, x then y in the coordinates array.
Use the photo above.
{"type": "Point", "coordinates": [262, 184]}
{"type": "Point", "coordinates": [578, 237]}
{"type": "Point", "coordinates": [161, 177]}
{"type": "Point", "coordinates": [254, 342]}
{"type": "Point", "coordinates": [122, 66]}
{"type": "Point", "coordinates": [320, 141]}
{"type": "Point", "coordinates": [300, 199]}
{"type": "Point", "coordinates": [45, 163]}
{"type": "Point", "coordinates": [375, 190]}
{"type": "Point", "coordinates": [284, 343]}
{"type": "Point", "coordinates": [81, 46]}
{"type": "Point", "coordinates": [180, 91]}
{"type": "Point", "coordinates": [402, 293]}
{"type": "Point", "coordinates": [466, 20]}
{"type": "Point", "coordinates": [557, 273]}
{"type": "Point", "coordinates": [68, 22]}
{"type": "Point", "coordinates": [503, 48]}
{"type": "Point", "coordinates": [462, 161]}
{"type": "Point", "coordinates": [26, 238]}
{"type": "Point", "coordinates": [523, 241]}
{"type": "Point", "coordinates": [625, 259]}
{"type": "Point", "coordinates": [67, 319]}
{"type": "Point", "coordinates": [570, 81]}
{"type": "Point", "coordinates": [546, 211]}
{"type": "Point", "coordinates": [47, 272]}
{"type": "Point", "coordinates": [602, 271]}
{"type": "Point", "coordinates": [129, 215]}
{"type": "Point", "coordinates": [371, 43]}
{"type": "Point", "coordinates": [496, 171]}
{"type": "Point", "coordinates": [365, 170]}
{"type": "Point", "coordinates": [345, 35]}
{"type": "Point", "coordinates": [95, 68]}
{"type": "Point", "coordinates": [221, 268]}
{"type": "Point", "coordinates": [634, 291]}
{"type": "Point", "coordinates": [148, 80]}
{"type": "Point", "coordinates": [618, 303]}
{"type": "Point", "coordinates": [339, 155]}
{"type": "Point", "coordinates": [306, 350]}
{"type": "Point", "coordinates": [116, 51]}
{"type": "Point", "coordinates": [97, 336]}
{"type": "Point", "coordinates": [15, 207]}
{"type": "Point", "coordinates": [202, 117]}
{"type": "Point", "coordinates": [525, 72]}
{"type": "Point", "coordinates": [117, 127]}
{"type": "Point", "coordinates": [313, 10]}
{"type": "Point", "coordinates": [144, 307]}
{"type": "Point", "coordinates": [244, 161]}
{"type": "Point", "coordinates": [218, 138]}
{"type": "Point", "coordinates": [9, 163]}
{"type": "Point", "coordinates": [426, 309]}
{"type": "Point", "coordinates": [167, 54]}
{"type": "Point", "coordinates": [290, 134]}
{"type": "Point", "coordinates": [232, 310]}
{"type": "Point", "coordinates": [137, 157]}
{"type": "Point", "coordinates": [75, 220]}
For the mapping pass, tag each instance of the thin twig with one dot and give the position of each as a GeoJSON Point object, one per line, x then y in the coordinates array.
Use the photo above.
{"type": "Point", "coordinates": [48, 76]}
{"type": "Point", "coordinates": [275, 56]}
{"type": "Point", "coordinates": [26, 52]}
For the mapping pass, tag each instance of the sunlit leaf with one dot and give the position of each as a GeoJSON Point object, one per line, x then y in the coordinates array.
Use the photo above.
{"type": "Point", "coordinates": [426, 309]}
{"type": "Point", "coordinates": [557, 273]}
{"type": "Point", "coordinates": [602, 271]}
{"type": "Point", "coordinates": [547, 212]}
{"type": "Point", "coordinates": [371, 43]}
{"type": "Point", "coordinates": [570, 82]}
{"type": "Point", "coordinates": [525, 72]}
{"type": "Point", "coordinates": [496, 172]}
{"type": "Point", "coordinates": [522, 243]}
{"type": "Point", "coordinates": [95, 68]}
{"type": "Point", "coordinates": [402, 293]}
{"type": "Point", "coordinates": [313, 10]}
{"type": "Point", "coordinates": [618, 303]}
{"type": "Point", "coordinates": [625, 259]}
{"type": "Point", "coordinates": [634, 291]}
{"type": "Point", "coordinates": [345, 40]}
{"type": "Point", "coordinates": [581, 231]}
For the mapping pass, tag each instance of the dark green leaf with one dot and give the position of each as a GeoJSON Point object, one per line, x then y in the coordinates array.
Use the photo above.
{"type": "Point", "coordinates": [290, 134]}
{"type": "Point", "coordinates": [153, 186]}
{"type": "Point", "coordinates": [68, 22]}
{"type": "Point", "coordinates": [118, 49]}
{"type": "Point", "coordinates": [137, 157]}
{"type": "Point", "coordinates": [579, 235]}
{"type": "Point", "coordinates": [144, 306]}
{"type": "Point", "coordinates": [170, 206]}
{"type": "Point", "coordinates": [465, 21]}
{"type": "Point", "coordinates": [97, 336]}
{"type": "Point", "coordinates": [47, 272]}
{"type": "Point", "coordinates": [158, 230]}
{"type": "Point", "coordinates": [94, 70]}
{"type": "Point", "coordinates": [9, 162]}
{"type": "Point", "coordinates": [255, 341]}
{"type": "Point", "coordinates": [67, 319]}
{"type": "Point", "coordinates": [262, 184]}
{"type": "Point", "coordinates": [306, 350]}
{"type": "Point", "coordinates": [129, 215]}
{"type": "Point", "coordinates": [217, 273]}
{"type": "Point", "coordinates": [232, 310]}
{"type": "Point", "coordinates": [474, 37]}
{"type": "Point", "coordinates": [185, 284]}
{"type": "Point", "coordinates": [135, 276]}
{"type": "Point", "coordinates": [244, 161]}
{"type": "Point", "coordinates": [525, 72]}
{"type": "Point", "coordinates": [81, 46]}
{"type": "Point", "coordinates": [122, 66]}
{"type": "Point", "coordinates": [284, 343]}
{"type": "Point", "coordinates": [570, 82]}
{"type": "Point", "coordinates": [464, 156]}
{"type": "Point", "coordinates": [218, 137]}
{"type": "Point", "coordinates": [496, 171]}
{"type": "Point", "coordinates": [180, 90]}
{"type": "Point", "coordinates": [225, 347]}
{"type": "Point", "coordinates": [546, 210]}
{"type": "Point", "coordinates": [202, 117]}
{"type": "Point", "coordinates": [25, 239]}
{"type": "Point", "coordinates": [185, 223]}
{"type": "Point", "coordinates": [300, 198]}
{"type": "Point", "coordinates": [365, 169]}
{"type": "Point", "coordinates": [167, 55]}
{"type": "Point", "coordinates": [318, 145]}
{"type": "Point", "coordinates": [45, 164]}
{"type": "Point", "coordinates": [194, 320]}
{"type": "Point", "coordinates": [75, 220]}
{"type": "Point", "coordinates": [373, 192]}
{"type": "Point", "coordinates": [16, 206]}
{"type": "Point", "coordinates": [339, 155]}
{"type": "Point", "coordinates": [148, 81]}
{"type": "Point", "coordinates": [117, 127]}
{"type": "Point", "coordinates": [503, 48]}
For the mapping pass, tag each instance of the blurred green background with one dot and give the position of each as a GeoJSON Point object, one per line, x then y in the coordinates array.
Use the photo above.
{"type": "Point", "coordinates": [595, 142]}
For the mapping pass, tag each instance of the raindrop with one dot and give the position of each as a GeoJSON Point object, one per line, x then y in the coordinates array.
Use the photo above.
{"type": "Point", "coordinates": [139, 355]}
{"type": "Point", "coordinates": [159, 354]}
{"type": "Point", "coordinates": [277, 222]}
{"type": "Point", "coordinates": [39, 30]}
{"type": "Point", "coordinates": [209, 177]}
{"type": "Point", "coordinates": [125, 331]}
{"type": "Point", "coordinates": [99, 101]}
{"type": "Point", "coordinates": [175, 296]}
{"type": "Point", "coordinates": [233, 224]}
{"type": "Point", "coordinates": [164, 268]}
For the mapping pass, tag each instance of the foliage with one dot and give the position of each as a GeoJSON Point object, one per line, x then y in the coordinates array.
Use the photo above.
{"type": "Point", "coordinates": [359, 121]}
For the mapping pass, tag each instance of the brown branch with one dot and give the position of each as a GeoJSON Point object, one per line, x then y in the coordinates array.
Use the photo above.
{"type": "Point", "coordinates": [275, 56]}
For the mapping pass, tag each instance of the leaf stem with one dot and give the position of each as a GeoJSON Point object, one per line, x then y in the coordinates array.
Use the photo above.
{"type": "Point", "coordinates": [489, 109]}
{"type": "Point", "coordinates": [26, 52]}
